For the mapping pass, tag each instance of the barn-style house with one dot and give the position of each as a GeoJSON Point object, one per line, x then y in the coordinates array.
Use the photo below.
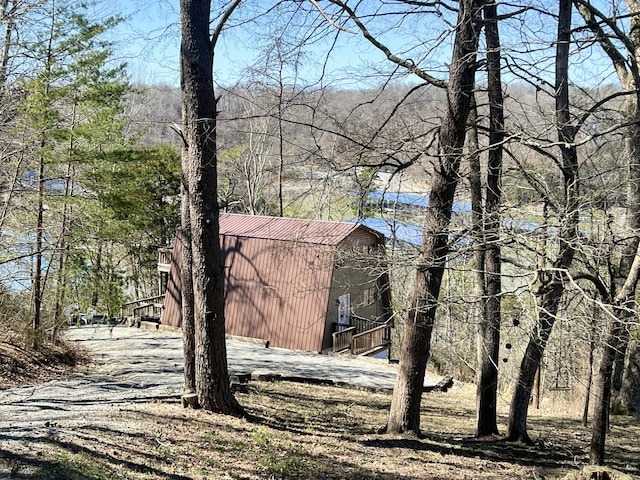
{"type": "Point", "coordinates": [299, 284]}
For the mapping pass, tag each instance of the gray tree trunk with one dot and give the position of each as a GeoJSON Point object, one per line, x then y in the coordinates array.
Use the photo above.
{"type": "Point", "coordinates": [404, 415]}
{"type": "Point", "coordinates": [629, 76]}
{"type": "Point", "coordinates": [199, 131]}
{"type": "Point", "coordinates": [186, 283]}
{"type": "Point", "coordinates": [617, 335]}
{"type": "Point", "coordinates": [551, 283]}
{"type": "Point", "coordinates": [630, 388]}
{"type": "Point", "coordinates": [489, 334]}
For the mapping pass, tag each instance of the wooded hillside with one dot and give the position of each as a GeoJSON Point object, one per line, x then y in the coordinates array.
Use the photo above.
{"type": "Point", "coordinates": [529, 289]}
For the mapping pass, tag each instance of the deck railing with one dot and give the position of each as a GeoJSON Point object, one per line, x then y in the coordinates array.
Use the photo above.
{"type": "Point", "coordinates": [357, 342]}
{"type": "Point", "coordinates": [342, 339]}
{"type": "Point", "coordinates": [364, 324]}
{"type": "Point", "coordinates": [145, 307]}
{"type": "Point", "coordinates": [372, 340]}
{"type": "Point", "coordinates": [164, 256]}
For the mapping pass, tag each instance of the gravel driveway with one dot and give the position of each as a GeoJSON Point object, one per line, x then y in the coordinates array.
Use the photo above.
{"type": "Point", "coordinates": [135, 365]}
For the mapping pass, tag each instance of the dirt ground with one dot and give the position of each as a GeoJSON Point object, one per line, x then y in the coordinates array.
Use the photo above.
{"type": "Point", "coordinates": [293, 431]}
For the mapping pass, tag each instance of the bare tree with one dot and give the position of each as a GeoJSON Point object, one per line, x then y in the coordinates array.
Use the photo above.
{"type": "Point", "coordinates": [489, 251]}
{"type": "Point", "coordinates": [552, 281]}
{"type": "Point", "coordinates": [404, 415]}
{"type": "Point", "coordinates": [623, 304]}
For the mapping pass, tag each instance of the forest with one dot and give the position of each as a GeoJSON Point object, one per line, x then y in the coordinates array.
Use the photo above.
{"type": "Point", "coordinates": [528, 113]}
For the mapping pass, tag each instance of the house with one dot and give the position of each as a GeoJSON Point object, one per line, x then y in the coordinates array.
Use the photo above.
{"type": "Point", "coordinates": [299, 284]}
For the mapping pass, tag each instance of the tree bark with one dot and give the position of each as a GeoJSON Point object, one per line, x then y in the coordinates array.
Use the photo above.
{"type": "Point", "coordinates": [623, 380]}
{"type": "Point", "coordinates": [186, 287]}
{"type": "Point", "coordinates": [37, 273]}
{"type": "Point", "coordinates": [624, 303]}
{"type": "Point", "coordinates": [199, 131]}
{"type": "Point", "coordinates": [404, 415]}
{"type": "Point", "coordinates": [624, 307]}
{"type": "Point", "coordinates": [489, 335]}
{"type": "Point", "coordinates": [551, 287]}
{"type": "Point", "coordinates": [531, 362]}
{"type": "Point", "coordinates": [629, 77]}
{"type": "Point", "coordinates": [630, 388]}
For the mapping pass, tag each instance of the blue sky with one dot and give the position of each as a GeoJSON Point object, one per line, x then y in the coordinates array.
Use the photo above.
{"type": "Point", "coordinates": [148, 41]}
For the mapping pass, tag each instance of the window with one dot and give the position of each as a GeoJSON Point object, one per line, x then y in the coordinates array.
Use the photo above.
{"type": "Point", "coordinates": [370, 295]}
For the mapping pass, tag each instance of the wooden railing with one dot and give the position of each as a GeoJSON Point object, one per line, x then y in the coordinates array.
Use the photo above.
{"type": "Point", "coordinates": [342, 340]}
{"type": "Point", "coordinates": [145, 307]}
{"type": "Point", "coordinates": [372, 340]}
{"type": "Point", "coordinates": [364, 324]}
{"type": "Point", "coordinates": [164, 257]}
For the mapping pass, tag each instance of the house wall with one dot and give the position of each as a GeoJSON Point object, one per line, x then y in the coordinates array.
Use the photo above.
{"type": "Point", "coordinates": [172, 314]}
{"type": "Point", "coordinates": [277, 291]}
{"type": "Point", "coordinates": [360, 272]}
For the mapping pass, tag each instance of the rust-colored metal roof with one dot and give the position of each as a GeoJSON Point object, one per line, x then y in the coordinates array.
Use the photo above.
{"type": "Point", "coordinates": [288, 229]}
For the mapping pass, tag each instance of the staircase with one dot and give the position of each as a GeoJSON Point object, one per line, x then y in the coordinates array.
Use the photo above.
{"type": "Point", "coordinates": [143, 310]}
{"type": "Point", "coordinates": [367, 342]}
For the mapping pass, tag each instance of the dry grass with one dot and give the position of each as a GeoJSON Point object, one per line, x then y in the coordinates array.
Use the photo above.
{"type": "Point", "coordinates": [19, 365]}
{"type": "Point", "coordinates": [309, 432]}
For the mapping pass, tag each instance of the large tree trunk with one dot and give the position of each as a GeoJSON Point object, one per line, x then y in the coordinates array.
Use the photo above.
{"type": "Point", "coordinates": [629, 77]}
{"type": "Point", "coordinates": [629, 396]}
{"type": "Point", "coordinates": [603, 392]}
{"type": "Point", "coordinates": [404, 414]}
{"type": "Point", "coordinates": [624, 302]}
{"type": "Point", "coordinates": [624, 381]}
{"type": "Point", "coordinates": [548, 306]}
{"type": "Point", "coordinates": [186, 286]}
{"type": "Point", "coordinates": [551, 287]}
{"type": "Point", "coordinates": [199, 131]}
{"type": "Point", "coordinates": [489, 334]}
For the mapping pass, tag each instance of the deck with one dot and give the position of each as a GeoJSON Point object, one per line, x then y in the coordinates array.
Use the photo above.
{"type": "Point", "coordinates": [368, 342]}
{"type": "Point", "coordinates": [145, 309]}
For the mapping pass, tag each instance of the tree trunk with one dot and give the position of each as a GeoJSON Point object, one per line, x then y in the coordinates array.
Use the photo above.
{"type": "Point", "coordinates": [37, 273]}
{"type": "Point", "coordinates": [97, 278]}
{"type": "Point", "coordinates": [404, 415]}
{"type": "Point", "coordinates": [630, 389]}
{"type": "Point", "coordinates": [551, 287]}
{"type": "Point", "coordinates": [199, 131]}
{"type": "Point", "coordinates": [186, 282]}
{"type": "Point", "coordinates": [624, 299]}
{"type": "Point", "coordinates": [62, 256]}
{"type": "Point", "coordinates": [587, 393]}
{"type": "Point", "coordinates": [186, 289]}
{"type": "Point", "coordinates": [487, 394]}
{"type": "Point", "coordinates": [530, 364]}
{"type": "Point", "coordinates": [625, 381]}
{"type": "Point", "coordinates": [628, 74]}
{"type": "Point", "coordinates": [6, 13]}
{"type": "Point", "coordinates": [603, 390]}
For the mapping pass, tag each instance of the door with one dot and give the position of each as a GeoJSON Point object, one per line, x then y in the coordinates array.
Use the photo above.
{"type": "Point", "coordinates": [344, 311]}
